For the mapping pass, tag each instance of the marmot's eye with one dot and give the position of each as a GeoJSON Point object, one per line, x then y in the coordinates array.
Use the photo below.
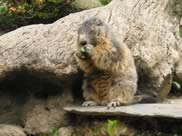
{"type": "Point", "coordinates": [83, 43]}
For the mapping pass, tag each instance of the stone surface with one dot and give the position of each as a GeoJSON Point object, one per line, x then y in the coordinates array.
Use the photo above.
{"type": "Point", "coordinates": [10, 130]}
{"type": "Point", "coordinates": [33, 103]}
{"type": "Point", "coordinates": [39, 116]}
{"type": "Point", "coordinates": [149, 28]}
{"type": "Point", "coordinates": [96, 128]}
{"type": "Point", "coordinates": [150, 110]}
{"type": "Point", "coordinates": [66, 131]}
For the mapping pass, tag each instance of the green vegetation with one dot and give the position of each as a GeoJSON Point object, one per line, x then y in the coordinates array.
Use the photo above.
{"type": "Point", "coordinates": [180, 33]}
{"type": "Point", "coordinates": [176, 88]}
{"type": "Point", "coordinates": [96, 132]}
{"type": "Point", "coordinates": [53, 132]}
{"type": "Point", "coordinates": [16, 13]}
{"type": "Point", "coordinates": [111, 126]}
{"type": "Point", "coordinates": [176, 85]}
{"type": "Point", "coordinates": [107, 129]}
{"type": "Point", "coordinates": [180, 29]}
{"type": "Point", "coordinates": [105, 2]}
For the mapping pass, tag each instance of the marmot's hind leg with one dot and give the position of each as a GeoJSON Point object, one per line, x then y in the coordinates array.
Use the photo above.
{"type": "Point", "coordinates": [121, 95]}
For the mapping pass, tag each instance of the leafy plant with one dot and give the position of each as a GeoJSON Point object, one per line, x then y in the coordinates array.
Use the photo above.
{"type": "Point", "coordinates": [180, 29]}
{"type": "Point", "coordinates": [110, 126]}
{"type": "Point", "coordinates": [176, 85]}
{"type": "Point", "coordinates": [16, 13]}
{"type": "Point", "coordinates": [3, 9]}
{"type": "Point", "coordinates": [53, 132]}
{"type": "Point", "coordinates": [180, 33]}
{"type": "Point", "coordinates": [96, 132]}
{"type": "Point", "coordinates": [105, 2]}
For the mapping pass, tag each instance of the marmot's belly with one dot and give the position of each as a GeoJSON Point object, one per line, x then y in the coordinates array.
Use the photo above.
{"type": "Point", "coordinates": [101, 86]}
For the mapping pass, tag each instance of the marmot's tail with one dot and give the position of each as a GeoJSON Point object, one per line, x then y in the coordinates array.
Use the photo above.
{"type": "Point", "coordinates": [143, 99]}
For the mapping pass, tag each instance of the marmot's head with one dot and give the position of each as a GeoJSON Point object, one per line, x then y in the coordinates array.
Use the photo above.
{"type": "Point", "coordinates": [91, 30]}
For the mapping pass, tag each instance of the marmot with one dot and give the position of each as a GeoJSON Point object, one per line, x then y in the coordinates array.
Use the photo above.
{"type": "Point", "coordinates": [110, 76]}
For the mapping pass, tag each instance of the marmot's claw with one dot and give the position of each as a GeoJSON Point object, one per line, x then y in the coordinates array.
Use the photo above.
{"type": "Point", "coordinates": [89, 103]}
{"type": "Point", "coordinates": [114, 104]}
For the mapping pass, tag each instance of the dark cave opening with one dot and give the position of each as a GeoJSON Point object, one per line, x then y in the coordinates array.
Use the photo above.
{"type": "Point", "coordinates": [18, 84]}
{"type": "Point", "coordinates": [19, 87]}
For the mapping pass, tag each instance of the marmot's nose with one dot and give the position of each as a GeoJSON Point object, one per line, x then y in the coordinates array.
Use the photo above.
{"type": "Point", "coordinates": [82, 40]}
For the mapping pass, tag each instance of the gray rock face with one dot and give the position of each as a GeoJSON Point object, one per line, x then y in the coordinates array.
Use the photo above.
{"type": "Point", "coordinates": [47, 51]}
{"type": "Point", "coordinates": [41, 116]}
{"type": "Point", "coordinates": [66, 131]}
{"type": "Point", "coordinates": [172, 110]}
{"type": "Point", "coordinates": [10, 130]}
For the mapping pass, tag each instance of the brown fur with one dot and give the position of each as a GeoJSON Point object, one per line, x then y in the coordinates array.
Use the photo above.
{"type": "Point", "coordinates": [110, 72]}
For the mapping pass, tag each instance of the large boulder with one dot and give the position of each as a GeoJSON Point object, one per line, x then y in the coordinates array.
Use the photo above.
{"type": "Point", "coordinates": [149, 28]}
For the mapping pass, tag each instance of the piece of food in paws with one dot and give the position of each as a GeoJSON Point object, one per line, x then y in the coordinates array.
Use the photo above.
{"type": "Point", "coordinates": [83, 49]}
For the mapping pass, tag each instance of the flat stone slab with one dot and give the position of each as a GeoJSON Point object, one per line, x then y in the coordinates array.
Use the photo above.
{"type": "Point", "coordinates": [151, 110]}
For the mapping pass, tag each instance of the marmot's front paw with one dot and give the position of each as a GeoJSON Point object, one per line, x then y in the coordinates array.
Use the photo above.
{"type": "Point", "coordinates": [89, 103]}
{"type": "Point", "coordinates": [85, 52]}
{"type": "Point", "coordinates": [81, 55]}
{"type": "Point", "coordinates": [88, 49]}
{"type": "Point", "coordinates": [114, 104]}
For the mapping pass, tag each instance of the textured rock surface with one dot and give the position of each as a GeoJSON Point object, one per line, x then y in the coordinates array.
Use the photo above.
{"type": "Point", "coordinates": [10, 130]}
{"type": "Point", "coordinates": [146, 27]}
{"type": "Point", "coordinates": [41, 116]}
{"type": "Point", "coordinates": [66, 131]}
{"type": "Point", "coordinates": [151, 110]}
{"type": "Point", "coordinates": [96, 128]}
{"type": "Point", "coordinates": [33, 103]}
{"type": "Point", "coordinates": [149, 28]}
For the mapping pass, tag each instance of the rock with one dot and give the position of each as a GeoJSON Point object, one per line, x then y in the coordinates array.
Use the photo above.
{"type": "Point", "coordinates": [66, 131]}
{"type": "Point", "coordinates": [49, 49]}
{"type": "Point", "coordinates": [40, 116]}
{"type": "Point", "coordinates": [10, 130]}
{"type": "Point", "coordinates": [148, 28]}
{"type": "Point", "coordinates": [100, 128]}
{"type": "Point", "coordinates": [151, 110]}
